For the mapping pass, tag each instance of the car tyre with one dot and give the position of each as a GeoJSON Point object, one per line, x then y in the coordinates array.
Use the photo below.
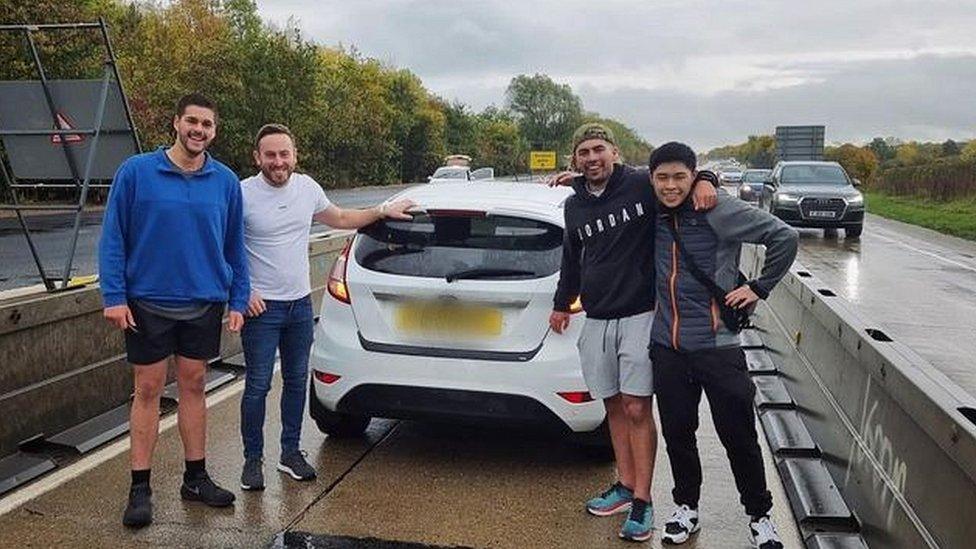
{"type": "Point", "coordinates": [853, 232]}
{"type": "Point", "coordinates": [335, 424]}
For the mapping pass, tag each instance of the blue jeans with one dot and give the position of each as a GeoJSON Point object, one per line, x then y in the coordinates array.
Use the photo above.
{"type": "Point", "coordinates": [286, 326]}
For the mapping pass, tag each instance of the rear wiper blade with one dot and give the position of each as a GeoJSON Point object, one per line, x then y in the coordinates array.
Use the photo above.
{"type": "Point", "coordinates": [486, 272]}
{"type": "Point", "coordinates": [384, 253]}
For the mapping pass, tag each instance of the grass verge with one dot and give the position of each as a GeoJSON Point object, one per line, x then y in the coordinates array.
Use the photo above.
{"type": "Point", "coordinates": [957, 217]}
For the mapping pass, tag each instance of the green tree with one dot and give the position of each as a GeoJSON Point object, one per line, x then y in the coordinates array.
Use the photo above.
{"type": "Point", "coordinates": [547, 112]}
{"type": "Point", "coordinates": [417, 125]}
{"type": "Point", "coordinates": [969, 151]}
{"type": "Point", "coordinates": [759, 151]}
{"type": "Point", "coordinates": [882, 150]}
{"type": "Point", "coordinates": [908, 154]}
{"type": "Point", "coordinates": [500, 145]}
{"type": "Point", "coordinates": [460, 128]}
{"type": "Point", "coordinates": [950, 148]}
{"type": "Point", "coordinates": [860, 162]}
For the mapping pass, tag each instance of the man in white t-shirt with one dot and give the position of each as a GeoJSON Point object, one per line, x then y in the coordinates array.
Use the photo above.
{"type": "Point", "coordinates": [279, 207]}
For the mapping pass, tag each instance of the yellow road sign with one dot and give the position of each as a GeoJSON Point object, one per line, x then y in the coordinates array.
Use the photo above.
{"type": "Point", "coordinates": [542, 160]}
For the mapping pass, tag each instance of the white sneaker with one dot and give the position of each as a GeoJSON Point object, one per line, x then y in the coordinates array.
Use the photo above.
{"type": "Point", "coordinates": [763, 534]}
{"type": "Point", "coordinates": [682, 524]}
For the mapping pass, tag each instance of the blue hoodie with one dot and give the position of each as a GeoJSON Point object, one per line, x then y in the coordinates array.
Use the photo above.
{"type": "Point", "coordinates": [171, 237]}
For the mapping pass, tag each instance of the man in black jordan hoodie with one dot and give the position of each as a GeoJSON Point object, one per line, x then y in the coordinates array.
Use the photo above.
{"type": "Point", "coordinates": [608, 262]}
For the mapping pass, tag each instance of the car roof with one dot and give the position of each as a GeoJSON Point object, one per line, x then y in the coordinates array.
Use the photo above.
{"type": "Point", "coordinates": [758, 170]}
{"type": "Point", "coordinates": [533, 200]}
{"type": "Point", "coordinates": [808, 163]}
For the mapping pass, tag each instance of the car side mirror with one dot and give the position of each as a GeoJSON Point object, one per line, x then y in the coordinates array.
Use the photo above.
{"type": "Point", "coordinates": [857, 182]}
{"type": "Point", "coordinates": [769, 187]}
{"type": "Point", "coordinates": [430, 178]}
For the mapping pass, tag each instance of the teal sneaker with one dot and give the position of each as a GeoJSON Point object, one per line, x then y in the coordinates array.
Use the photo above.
{"type": "Point", "coordinates": [616, 499]}
{"type": "Point", "coordinates": [639, 523]}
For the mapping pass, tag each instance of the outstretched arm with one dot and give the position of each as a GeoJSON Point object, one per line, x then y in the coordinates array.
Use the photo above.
{"type": "Point", "coordinates": [342, 218]}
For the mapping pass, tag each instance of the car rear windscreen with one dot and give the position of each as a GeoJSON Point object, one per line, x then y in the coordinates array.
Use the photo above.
{"type": "Point", "coordinates": [827, 175]}
{"type": "Point", "coordinates": [755, 177]}
{"type": "Point", "coordinates": [438, 246]}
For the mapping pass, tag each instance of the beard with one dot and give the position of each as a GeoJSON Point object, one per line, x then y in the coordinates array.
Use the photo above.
{"type": "Point", "coordinates": [277, 178]}
{"type": "Point", "coordinates": [190, 146]}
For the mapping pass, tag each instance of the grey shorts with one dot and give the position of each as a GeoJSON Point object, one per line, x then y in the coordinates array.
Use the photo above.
{"type": "Point", "coordinates": [614, 357]}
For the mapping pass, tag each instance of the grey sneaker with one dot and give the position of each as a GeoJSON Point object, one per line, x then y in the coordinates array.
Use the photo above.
{"type": "Point", "coordinates": [252, 478]}
{"type": "Point", "coordinates": [295, 465]}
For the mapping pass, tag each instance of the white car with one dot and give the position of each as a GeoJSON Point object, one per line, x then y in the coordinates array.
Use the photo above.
{"type": "Point", "coordinates": [445, 317]}
{"type": "Point", "coordinates": [461, 173]}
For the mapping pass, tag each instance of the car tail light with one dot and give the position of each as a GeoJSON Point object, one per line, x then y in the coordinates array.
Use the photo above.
{"type": "Point", "coordinates": [337, 276]}
{"type": "Point", "coordinates": [326, 377]}
{"type": "Point", "coordinates": [576, 306]}
{"type": "Point", "coordinates": [576, 397]}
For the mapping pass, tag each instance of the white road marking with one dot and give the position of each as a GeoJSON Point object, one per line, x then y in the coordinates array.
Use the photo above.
{"type": "Point", "coordinates": [87, 463]}
{"type": "Point", "coordinates": [924, 252]}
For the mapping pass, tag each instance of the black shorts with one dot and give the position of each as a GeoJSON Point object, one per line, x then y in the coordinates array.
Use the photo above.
{"type": "Point", "coordinates": [156, 337]}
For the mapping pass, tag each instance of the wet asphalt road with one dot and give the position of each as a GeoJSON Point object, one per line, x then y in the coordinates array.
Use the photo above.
{"type": "Point", "coordinates": [52, 235]}
{"type": "Point", "coordinates": [405, 485]}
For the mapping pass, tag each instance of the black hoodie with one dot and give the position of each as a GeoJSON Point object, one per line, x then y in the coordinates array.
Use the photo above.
{"type": "Point", "coordinates": [608, 247]}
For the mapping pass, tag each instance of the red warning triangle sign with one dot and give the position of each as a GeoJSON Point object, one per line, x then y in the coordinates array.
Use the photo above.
{"type": "Point", "coordinates": [64, 124]}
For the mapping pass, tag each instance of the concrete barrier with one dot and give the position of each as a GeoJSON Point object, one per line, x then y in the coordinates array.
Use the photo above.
{"type": "Point", "coordinates": [61, 364]}
{"type": "Point", "coordinates": [897, 436]}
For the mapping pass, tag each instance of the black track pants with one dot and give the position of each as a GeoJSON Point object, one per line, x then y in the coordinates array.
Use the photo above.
{"type": "Point", "coordinates": [678, 382]}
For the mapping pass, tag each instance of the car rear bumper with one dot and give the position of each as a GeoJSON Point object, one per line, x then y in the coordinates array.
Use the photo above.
{"type": "Point", "coordinates": [455, 405]}
{"type": "Point", "coordinates": [412, 386]}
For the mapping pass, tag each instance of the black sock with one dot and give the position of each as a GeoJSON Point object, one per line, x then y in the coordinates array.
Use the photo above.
{"type": "Point", "coordinates": [195, 469]}
{"type": "Point", "coordinates": [140, 477]}
{"type": "Point", "coordinates": [637, 508]}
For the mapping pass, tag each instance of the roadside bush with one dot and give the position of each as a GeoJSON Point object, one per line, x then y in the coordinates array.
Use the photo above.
{"type": "Point", "coordinates": [942, 180]}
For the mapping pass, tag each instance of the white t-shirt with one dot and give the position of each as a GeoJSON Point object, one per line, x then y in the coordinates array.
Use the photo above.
{"type": "Point", "coordinates": [277, 221]}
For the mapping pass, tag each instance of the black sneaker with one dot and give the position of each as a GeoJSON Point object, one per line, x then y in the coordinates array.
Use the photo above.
{"type": "Point", "coordinates": [138, 512]}
{"type": "Point", "coordinates": [252, 478]}
{"type": "Point", "coordinates": [295, 465]}
{"type": "Point", "coordinates": [204, 490]}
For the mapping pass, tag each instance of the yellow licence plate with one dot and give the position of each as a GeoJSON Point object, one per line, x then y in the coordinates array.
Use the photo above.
{"type": "Point", "coordinates": [436, 318]}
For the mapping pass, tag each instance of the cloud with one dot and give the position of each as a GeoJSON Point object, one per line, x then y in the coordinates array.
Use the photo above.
{"type": "Point", "coordinates": [873, 67]}
{"type": "Point", "coordinates": [926, 98]}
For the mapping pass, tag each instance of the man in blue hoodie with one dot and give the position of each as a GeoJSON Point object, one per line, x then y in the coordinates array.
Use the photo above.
{"type": "Point", "coordinates": [171, 257]}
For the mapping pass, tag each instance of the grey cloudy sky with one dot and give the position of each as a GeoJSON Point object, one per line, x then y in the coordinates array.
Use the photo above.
{"type": "Point", "coordinates": [708, 72]}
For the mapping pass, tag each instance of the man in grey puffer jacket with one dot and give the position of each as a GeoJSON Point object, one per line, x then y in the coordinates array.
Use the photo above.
{"type": "Point", "coordinates": [695, 343]}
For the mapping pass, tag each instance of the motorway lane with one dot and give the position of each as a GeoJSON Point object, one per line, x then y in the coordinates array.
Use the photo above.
{"type": "Point", "coordinates": [52, 233]}
{"type": "Point", "coordinates": [407, 481]}
{"type": "Point", "coordinates": [917, 285]}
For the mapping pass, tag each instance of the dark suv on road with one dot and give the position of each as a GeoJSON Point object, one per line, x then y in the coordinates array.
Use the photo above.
{"type": "Point", "coordinates": [815, 195]}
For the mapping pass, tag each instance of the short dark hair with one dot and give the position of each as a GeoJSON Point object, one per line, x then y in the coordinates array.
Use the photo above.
{"type": "Point", "coordinates": [197, 100]}
{"type": "Point", "coordinates": [272, 129]}
{"type": "Point", "coordinates": [672, 152]}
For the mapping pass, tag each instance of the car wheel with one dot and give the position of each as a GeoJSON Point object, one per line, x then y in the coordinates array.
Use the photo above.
{"type": "Point", "coordinates": [335, 424]}
{"type": "Point", "coordinates": [853, 232]}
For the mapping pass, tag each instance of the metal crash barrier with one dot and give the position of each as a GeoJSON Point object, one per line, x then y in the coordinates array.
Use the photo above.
{"type": "Point", "coordinates": [895, 437]}
{"type": "Point", "coordinates": [64, 381]}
